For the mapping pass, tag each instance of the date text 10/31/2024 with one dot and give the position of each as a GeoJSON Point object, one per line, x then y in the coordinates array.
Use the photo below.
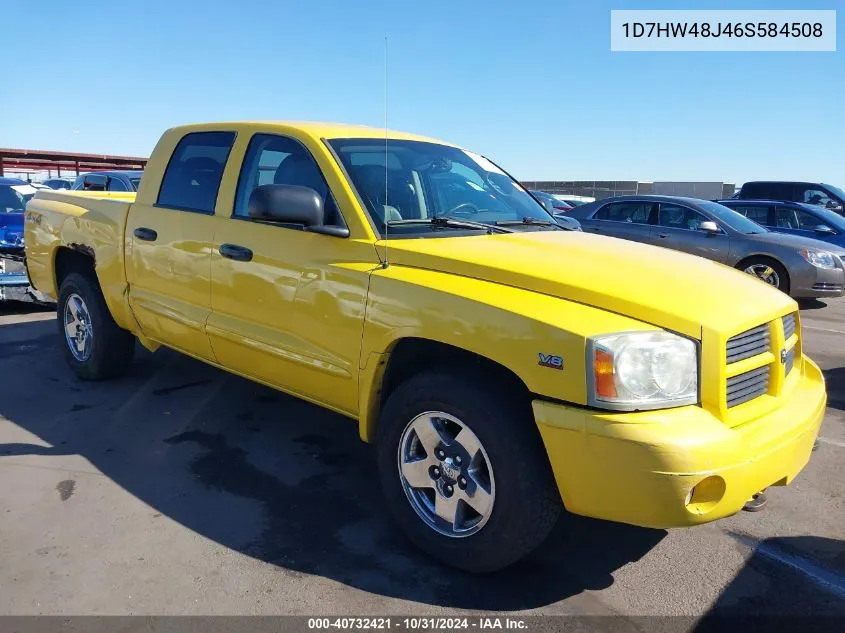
{"type": "Point", "coordinates": [417, 623]}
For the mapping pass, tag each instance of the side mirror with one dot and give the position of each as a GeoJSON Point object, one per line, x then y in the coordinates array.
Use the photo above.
{"type": "Point", "coordinates": [708, 226]}
{"type": "Point", "coordinates": [824, 229]}
{"type": "Point", "coordinates": [288, 204]}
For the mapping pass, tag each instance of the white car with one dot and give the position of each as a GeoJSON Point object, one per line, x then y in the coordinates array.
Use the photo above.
{"type": "Point", "coordinates": [573, 201]}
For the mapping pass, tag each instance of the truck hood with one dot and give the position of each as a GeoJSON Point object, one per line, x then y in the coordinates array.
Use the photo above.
{"type": "Point", "coordinates": [654, 285]}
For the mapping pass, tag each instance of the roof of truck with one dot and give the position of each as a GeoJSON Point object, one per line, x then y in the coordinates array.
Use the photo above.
{"type": "Point", "coordinates": [316, 129]}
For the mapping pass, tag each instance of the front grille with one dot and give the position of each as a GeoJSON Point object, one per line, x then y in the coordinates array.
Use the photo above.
{"type": "Point", "coordinates": [788, 326]}
{"type": "Point", "coordinates": [790, 360]}
{"type": "Point", "coordinates": [747, 386]}
{"type": "Point", "coordinates": [750, 343]}
{"type": "Point", "coordinates": [824, 285]}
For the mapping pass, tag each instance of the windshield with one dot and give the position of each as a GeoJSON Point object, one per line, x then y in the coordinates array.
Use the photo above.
{"type": "Point", "coordinates": [414, 180]}
{"type": "Point", "coordinates": [13, 198]}
{"type": "Point", "coordinates": [731, 218]}
{"type": "Point", "coordinates": [839, 193]}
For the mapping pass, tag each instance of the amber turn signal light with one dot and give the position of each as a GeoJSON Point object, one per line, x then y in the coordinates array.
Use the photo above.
{"type": "Point", "coordinates": [603, 374]}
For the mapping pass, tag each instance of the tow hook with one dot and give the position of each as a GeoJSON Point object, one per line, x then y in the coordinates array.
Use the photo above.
{"type": "Point", "coordinates": [756, 503]}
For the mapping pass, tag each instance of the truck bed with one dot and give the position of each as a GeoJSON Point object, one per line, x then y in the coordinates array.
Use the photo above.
{"type": "Point", "coordinates": [93, 223]}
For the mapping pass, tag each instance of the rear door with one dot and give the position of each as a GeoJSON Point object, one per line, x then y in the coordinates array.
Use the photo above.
{"type": "Point", "coordinates": [169, 238]}
{"type": "Point", "coordinates": [678, 228]}
{"type": "Point", "coordinates": [625, 219]}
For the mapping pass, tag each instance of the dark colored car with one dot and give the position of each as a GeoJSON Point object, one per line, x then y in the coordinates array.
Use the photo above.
{"type": "Point", "coordinates": [128, 180]}
{"type": "Point", "coordinates": [795, 218]}
{"type": "Point", "coordinates": [799, 266]}
{"type": "Point", "coordinates": [820, 194]}
{"type": "Point", "coordinates": [59, 183]}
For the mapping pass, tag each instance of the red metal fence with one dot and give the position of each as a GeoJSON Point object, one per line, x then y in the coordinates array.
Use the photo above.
{"type": "Point", "coordinates": [39, 160]}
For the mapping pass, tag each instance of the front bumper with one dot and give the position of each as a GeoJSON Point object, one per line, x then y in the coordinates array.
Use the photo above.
{"type": "Point", "coordinates": [819, 282]}
{"type": "Point", "coordinates": [678, 467]}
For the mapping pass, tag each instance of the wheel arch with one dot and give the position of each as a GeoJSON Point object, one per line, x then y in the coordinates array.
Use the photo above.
{"type": "Point", "coordinates": [410, 355]}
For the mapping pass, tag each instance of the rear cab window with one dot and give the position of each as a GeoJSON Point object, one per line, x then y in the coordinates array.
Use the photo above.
{"type": "Point", "coordinates": [192, 178]}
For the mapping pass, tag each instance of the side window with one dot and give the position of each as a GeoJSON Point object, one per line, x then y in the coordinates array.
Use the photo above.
{"type": "Point", "coordinates": [94, 182]}
{"type": "Point", "coordinates": [807, 220]}
{"type": "Point", "coordinates": [812, 195]}
{"type": "Point", "coordinates": [115, 184]}
{"type": "Point", "coordinates": [192, 177]}
{"type": "Point", "coordinates": [674, 216]}
{"type": "Point", "coordinates": [785, 218]}
{"type": "Point", "coordinates": [632, 212]}
{"type": "Point", "coordinates": [277, 160]}
{"type": "Point", "coordinates": [758, 214]}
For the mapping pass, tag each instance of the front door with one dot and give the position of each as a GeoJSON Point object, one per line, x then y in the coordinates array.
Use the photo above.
{"type": "Point", "coordinates": [169, 245]}
{"type": "Point", "coordinates": [678, 228]}
{"type": "Point", "coordinates": [288, 305]}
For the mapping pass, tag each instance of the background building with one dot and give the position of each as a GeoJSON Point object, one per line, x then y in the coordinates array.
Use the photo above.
{"type": "Point", "coordinates": [609, 188]}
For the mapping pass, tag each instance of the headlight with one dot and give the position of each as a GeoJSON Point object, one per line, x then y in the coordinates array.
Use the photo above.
{"type": "Point", "coordinates": [642, 370]}
{"type": "Point", "coordinates": [819, 259]}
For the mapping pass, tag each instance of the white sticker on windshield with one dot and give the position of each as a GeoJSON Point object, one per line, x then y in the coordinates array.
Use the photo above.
{"type": "Point", "coordinates": [24, 190]}
{"type": "Point", "coordinates": [485, 164]}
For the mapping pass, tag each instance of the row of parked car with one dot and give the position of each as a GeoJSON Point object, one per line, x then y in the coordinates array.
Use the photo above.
{"type": "Point", "coordinates": [121, 180]}
{"type": "Point", "coordinates": [791, 235]}
{"type": "Point", "coordinates": [14, 194]}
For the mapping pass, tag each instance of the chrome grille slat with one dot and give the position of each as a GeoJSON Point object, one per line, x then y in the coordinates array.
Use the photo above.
{"type": "Point", "coordinates": [747, 344]}
{"type": "Point", "coordinates": [788, 326]}
{"type": "Point", "coordinates": [747, 386]}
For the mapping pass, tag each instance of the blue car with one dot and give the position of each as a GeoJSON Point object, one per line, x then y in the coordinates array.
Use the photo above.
{"type": "Point", "coordinates": [14, 283]}
{"type": "Point", "coordinates": [796, 218]}
{"type": "Point", "coordinates": [14, 194]}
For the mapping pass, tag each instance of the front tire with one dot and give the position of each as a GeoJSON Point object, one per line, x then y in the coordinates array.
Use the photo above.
{"type": "Point", "coordinates": [767, 270]}
{"type": "Point", "coordinates": [464, 471]}
{"type": "Point", "coordinates": [94, 346]}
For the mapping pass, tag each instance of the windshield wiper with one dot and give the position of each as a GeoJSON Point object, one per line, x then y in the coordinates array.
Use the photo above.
{"type": "Point", "coordinates": [451, 223]}
{"type": "Point", "coordinates": [529, 221]}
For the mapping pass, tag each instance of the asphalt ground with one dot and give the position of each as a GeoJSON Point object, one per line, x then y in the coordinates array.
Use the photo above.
{"type": "Point", "coordinates": [180, 489]}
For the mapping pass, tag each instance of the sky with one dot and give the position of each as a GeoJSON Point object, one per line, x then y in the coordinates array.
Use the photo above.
{"type": "Point", "coordinates": [531, 84]}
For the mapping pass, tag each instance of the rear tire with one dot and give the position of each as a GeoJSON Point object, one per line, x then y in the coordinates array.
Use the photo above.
{"type": "Point", "coordinates": [504, 454]}
{"type": "Point", "coordinates": [757, 266]}
{"type": "Point", "coordinates": [95, 347]}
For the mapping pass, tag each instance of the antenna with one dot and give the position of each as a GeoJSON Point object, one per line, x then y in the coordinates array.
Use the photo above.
{"type": "Point", "coordinates": [385, 263]}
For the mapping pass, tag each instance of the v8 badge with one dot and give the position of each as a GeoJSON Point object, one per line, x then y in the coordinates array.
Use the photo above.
{"type": "Point", "coordinates": [550, 361]}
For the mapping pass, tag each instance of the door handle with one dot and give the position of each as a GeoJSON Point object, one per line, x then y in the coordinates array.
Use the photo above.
{"type": "Point", "coordinates": [662, 235]}
{"type": "Point", "coordinates": [238, 253]}
{"type": "Point", "coordinates": [143, 233]}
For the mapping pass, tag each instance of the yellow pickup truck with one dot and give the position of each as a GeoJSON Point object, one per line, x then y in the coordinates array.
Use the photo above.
{"type": "Point", "coordinates": [505, 368]}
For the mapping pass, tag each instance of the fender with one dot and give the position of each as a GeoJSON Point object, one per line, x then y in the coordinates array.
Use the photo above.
{"type": "Point", "coordinates": [498, 322]}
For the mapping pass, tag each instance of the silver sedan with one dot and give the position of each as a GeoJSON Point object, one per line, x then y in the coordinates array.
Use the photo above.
{"type": "Point", "coordinates": [799, 266]}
